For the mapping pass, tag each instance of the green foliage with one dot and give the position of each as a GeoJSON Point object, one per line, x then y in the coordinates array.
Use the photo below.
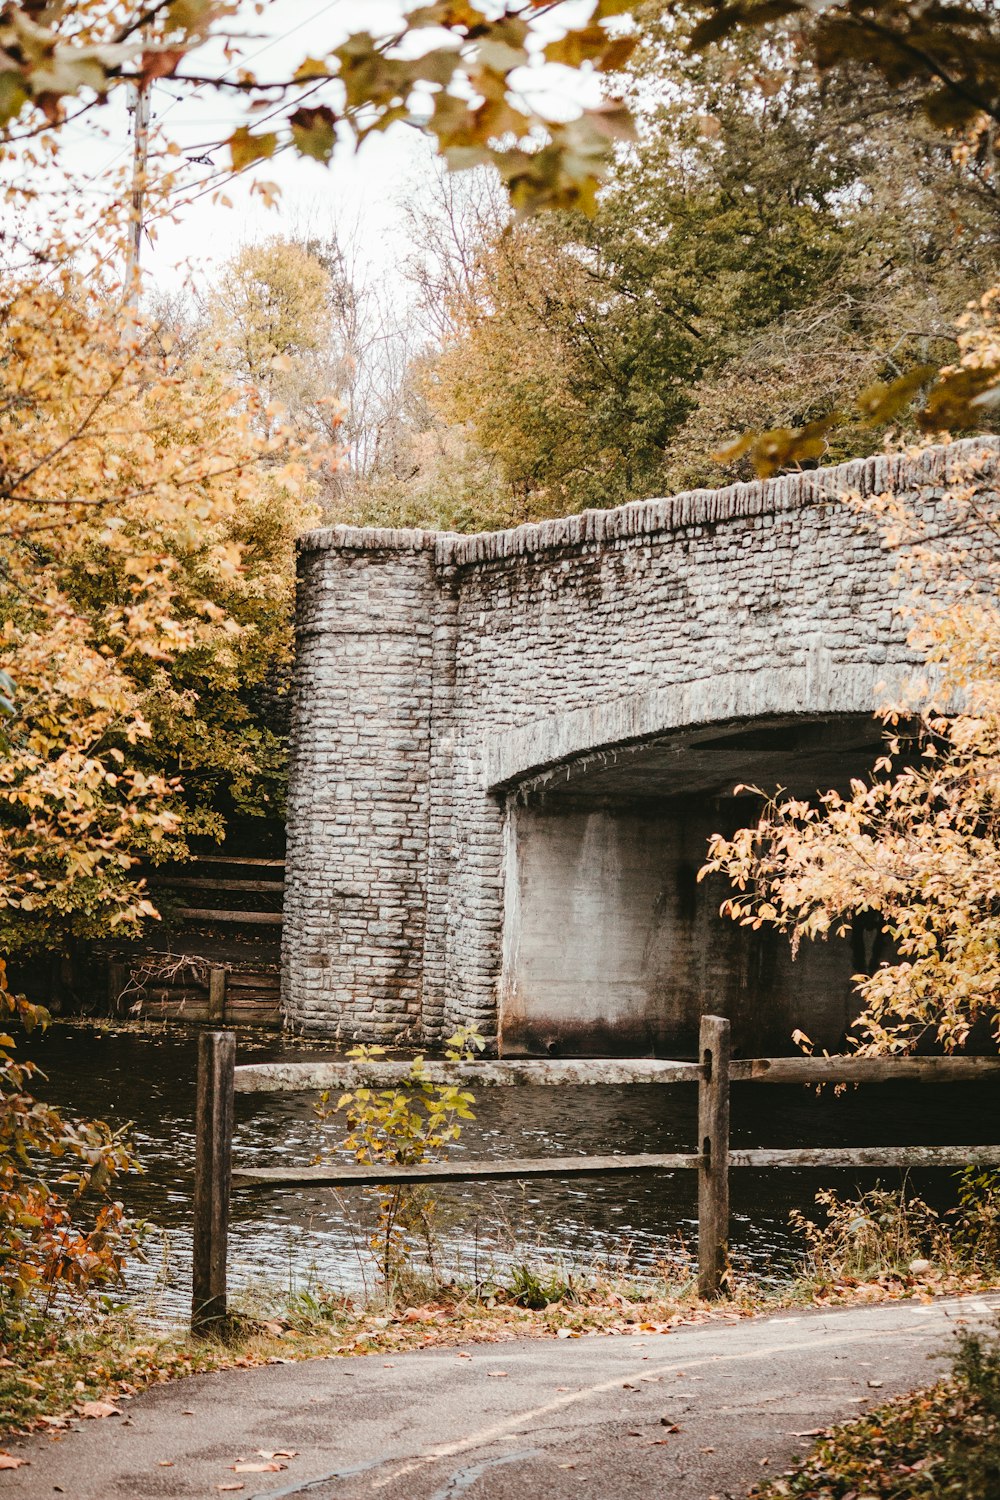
{"type": "Point", "coordinates": [776, 244]}
{"type": "Point", "coordinates": [405, 1127]}
{"type": "Point", "coordinates": [538, 1288]}
{"type": "Point", "coordinates": [52, 1246]}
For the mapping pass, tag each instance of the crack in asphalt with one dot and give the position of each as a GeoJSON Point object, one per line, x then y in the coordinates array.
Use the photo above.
{"type": "Point", "coordinates": [464, 1479]}
{"type": "Point", "coordinates": [310, 1484]}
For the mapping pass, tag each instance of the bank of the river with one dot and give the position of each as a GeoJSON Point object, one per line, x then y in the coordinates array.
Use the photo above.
{"type": "Point", "coordinates": [685, 1411]}
{"type": "Point", "coordinates": [53, 1373]}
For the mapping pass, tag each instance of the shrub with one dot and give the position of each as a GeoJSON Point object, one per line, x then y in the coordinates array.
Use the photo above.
{"type": "Point", "coordinates": [52, 1243]}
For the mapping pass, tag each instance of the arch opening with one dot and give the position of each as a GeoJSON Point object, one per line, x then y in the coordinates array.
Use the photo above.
{"type": "Point", "coordinates": [613, 946]}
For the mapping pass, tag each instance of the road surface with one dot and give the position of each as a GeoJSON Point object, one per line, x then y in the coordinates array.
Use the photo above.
{"type": "Point", "coordinates": [698, 1412]}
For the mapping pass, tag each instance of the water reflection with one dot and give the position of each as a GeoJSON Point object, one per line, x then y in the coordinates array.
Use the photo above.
{"type": "Point", "coordinates": [286, 1237]}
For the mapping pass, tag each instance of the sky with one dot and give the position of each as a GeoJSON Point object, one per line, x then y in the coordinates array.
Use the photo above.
{"type": "Point", "coordinates": [360, 192]}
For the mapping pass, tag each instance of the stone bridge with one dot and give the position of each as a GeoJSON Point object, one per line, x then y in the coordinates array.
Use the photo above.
{"type": "Point", "coordinates": [510, 749]}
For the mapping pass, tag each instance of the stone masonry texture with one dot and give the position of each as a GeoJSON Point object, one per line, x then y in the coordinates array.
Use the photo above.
{"type": "Point", "coordinates": [442, 681]}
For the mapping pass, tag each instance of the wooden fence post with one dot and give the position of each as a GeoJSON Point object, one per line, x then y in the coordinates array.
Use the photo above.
{"type": "Point", "coordinates": [713, 1145]}
{"type": "Point", "coordinates": [217, 995]}
{"type": "Point", "coordinates": [212, 1168]}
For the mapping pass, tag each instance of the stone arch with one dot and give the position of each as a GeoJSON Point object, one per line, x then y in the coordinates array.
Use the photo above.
{"type": "Point", "coordinates": [819, 687]}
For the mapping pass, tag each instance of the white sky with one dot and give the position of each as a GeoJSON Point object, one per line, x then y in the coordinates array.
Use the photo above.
{"type": "Point", "coordinates": [360, 191]}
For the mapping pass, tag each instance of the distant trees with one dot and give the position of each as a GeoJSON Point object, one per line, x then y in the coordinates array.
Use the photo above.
{"type": "Point", "coordinates": [777, 244]}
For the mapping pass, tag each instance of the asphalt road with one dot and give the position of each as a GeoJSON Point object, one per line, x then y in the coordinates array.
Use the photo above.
{"type": "Point", "coordinates": [686, 1415]}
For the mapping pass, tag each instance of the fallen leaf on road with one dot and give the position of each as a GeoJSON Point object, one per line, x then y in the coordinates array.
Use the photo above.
{"type": "Point", "coordinates": [277, 1453]}
{"type": "Point", "coordinates": [97, 1409]}
{"type": "Point", "coordinates": [258, 1468]}
{"type": "Point", "coordinates": [876, 1385]}
{"type": "Point", "coordinates": [238, 1486]}
{"type": "Point", "coordinates": [274, 1360]}
{"type": "Point", "coordinates": [706, 1450]}
{"type": "Point", "coordinates": [164, 1463]}
{"type": "Point", "coordinates": [567, 1466]}
{"type": "Point", "coordinates": [497, 1374]}
{"type": "Point", "coordinates": [669, 1424]}
{"type": "Point", "coordinates": [54, 1421]}
{"type": "Point", "coordinates": [809, 1432]}
{"type": "Point", "coordinates": [8, 1461]}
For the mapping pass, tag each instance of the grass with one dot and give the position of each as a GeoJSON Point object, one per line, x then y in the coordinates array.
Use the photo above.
{"type": "Point", "coordinates": [942, 1443]}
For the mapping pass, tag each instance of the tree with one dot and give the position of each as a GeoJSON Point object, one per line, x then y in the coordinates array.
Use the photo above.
{"type": "Point", "coordinates": [142, 515]}
{"type": "Point", "coordinates": [451, 68]}
{"type": "Point", "coordinates": [948, 51]}
{"type": "Point", "coordinates": [271, 315]}
{"type": "Point", "coordinates": [765, 250]}
{"type": "Point", "coordinates": [946, 56]}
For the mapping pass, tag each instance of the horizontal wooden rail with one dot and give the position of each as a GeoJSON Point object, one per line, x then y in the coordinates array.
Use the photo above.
{"type": "Point", "coordinates": [518, 1072]}
{"type": "Point", "coordinates": [272, 1078]}
{"type": "Point", "coordinates": [215, 883]}
{"type": "Point", "coordinates": [350, 1175]}
{"type": "Point", "coordinates": [235, 859]}
{"type": "Point", "coordinates": [204, 914]}
{"type": "Point", "coordinates": [815, 1070]}
{"type": "Point", "coordinates": [871, 1156]}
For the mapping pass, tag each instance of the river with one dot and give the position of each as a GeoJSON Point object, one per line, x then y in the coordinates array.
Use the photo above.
{"type": "Point", "coordinates": [293, 1238]}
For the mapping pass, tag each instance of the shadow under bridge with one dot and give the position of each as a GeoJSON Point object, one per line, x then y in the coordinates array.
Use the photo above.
{"type": "Point", "coordinates": [611, 943]}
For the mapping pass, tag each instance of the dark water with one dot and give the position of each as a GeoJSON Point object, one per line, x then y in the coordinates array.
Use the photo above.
{"type": "Point", "coordinates": [288, 1238]}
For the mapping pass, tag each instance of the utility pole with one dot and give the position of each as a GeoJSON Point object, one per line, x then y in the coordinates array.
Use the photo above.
{"type": "Point", "coordinates": [140, 157]}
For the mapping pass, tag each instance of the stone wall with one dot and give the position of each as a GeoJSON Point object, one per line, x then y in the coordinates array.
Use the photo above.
{"type": "Point", "coordinates": [443, 682]}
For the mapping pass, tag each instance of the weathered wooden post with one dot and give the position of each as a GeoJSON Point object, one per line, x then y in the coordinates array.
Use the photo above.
{"type": "Point", "coordinates": [212, 1167]}
{"type": "Point", "coordinates": [217, 995]}
{"type": "Point", "coordinates": [713, 1145]}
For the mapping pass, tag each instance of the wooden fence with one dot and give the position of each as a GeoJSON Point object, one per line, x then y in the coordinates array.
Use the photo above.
{"type": "Point", "coordinates": [714, 1072]}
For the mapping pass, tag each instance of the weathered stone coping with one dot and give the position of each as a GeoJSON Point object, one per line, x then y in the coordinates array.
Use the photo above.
{"type": "Point", "coordinates": [895, 472]}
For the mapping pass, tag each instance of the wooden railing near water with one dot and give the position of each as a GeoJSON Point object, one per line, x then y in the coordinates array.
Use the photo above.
{"type": "Point", "coordinates": [714, 1073]}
